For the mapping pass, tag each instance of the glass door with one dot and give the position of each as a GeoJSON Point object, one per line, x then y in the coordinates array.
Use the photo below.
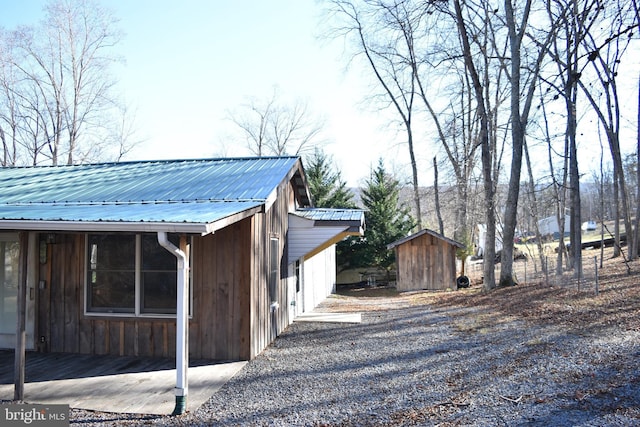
{"type": "Point", "coordinates": [9, 268]}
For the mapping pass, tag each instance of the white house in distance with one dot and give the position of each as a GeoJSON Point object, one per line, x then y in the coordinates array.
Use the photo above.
{"type": "Point", "coordinates": [481, 237]}
{"type": "Point", "coordinates": [549, 225]}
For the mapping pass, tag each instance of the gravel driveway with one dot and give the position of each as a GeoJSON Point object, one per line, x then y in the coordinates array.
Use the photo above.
{"type": "Point", "coordinates": [412, 364]}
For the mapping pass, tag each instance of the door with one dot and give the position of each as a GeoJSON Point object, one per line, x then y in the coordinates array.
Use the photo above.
{"type": "Point", "coordinates": [295, 290]}
{"type": "Point", "coordinates": [9, 285]}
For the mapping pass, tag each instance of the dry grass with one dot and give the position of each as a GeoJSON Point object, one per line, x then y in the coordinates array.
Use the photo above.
{"type": "Point", "coordinates": [617, 303]}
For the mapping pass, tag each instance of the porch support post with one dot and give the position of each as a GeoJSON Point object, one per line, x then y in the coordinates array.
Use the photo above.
{"type": "Point", "coordinates": [182, 321]}
{"type": "Point", "coordinates": [20, 349]}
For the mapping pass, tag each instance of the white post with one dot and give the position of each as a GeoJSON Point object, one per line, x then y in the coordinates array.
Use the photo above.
{"type": "Point", "coordinates": [182, 322]}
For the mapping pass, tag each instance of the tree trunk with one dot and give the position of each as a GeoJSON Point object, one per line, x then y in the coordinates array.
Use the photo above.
{"type": "Point", "coordinates": [486, 153]}
{"type": "Point", "coordinates": [517, 137]}
{"type": "Point", "coordinates": [437, 196]}
{"type": "Point", "coordinates": [636, 226]}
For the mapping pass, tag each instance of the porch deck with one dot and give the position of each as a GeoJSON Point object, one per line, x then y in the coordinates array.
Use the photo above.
{"type": "Point", "coordinates": [112, 383]}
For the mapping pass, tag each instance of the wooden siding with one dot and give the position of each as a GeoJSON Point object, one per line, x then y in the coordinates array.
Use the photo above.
{"type": "Point", "coordinates": [218, 327]}
{"type": "Point", "coordinates": [220, 274]}
{"type": "Point", "coordinates": [63, 326]}
{"type": "Point", "coordinates": [425, 262]}
{"type": "Point", "coordinates": [232, 314]}
{"type": "Point", "coordinates": [267, 323]}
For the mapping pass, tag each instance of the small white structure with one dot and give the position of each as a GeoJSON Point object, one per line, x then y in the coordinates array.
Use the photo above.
{"type": "Point", "coordinates": [312, 236]}
{"type": "Point", "coordinates": [481, 238]}
{"type": "Point", "coordinates": [550, 225]}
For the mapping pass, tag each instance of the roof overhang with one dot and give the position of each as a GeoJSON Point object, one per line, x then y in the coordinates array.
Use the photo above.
{"type": "Point", "coordinates": [218, 220]}
{"type": "Point", "coordinates": [422, 233]}
{"type": "Point", "coordinates": [311, 231]}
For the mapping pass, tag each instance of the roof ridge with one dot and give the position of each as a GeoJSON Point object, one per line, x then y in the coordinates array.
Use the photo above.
{"type": "Point", "coordinates": [130, 202]}
{"type": "Point", "coordinates": [151, 161]}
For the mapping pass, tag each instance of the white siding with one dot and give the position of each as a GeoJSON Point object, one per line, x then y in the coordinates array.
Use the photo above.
{"type": "Point", "coordinates": [304, 237]}
{"type": "Point", "coordinates": [319, 278]}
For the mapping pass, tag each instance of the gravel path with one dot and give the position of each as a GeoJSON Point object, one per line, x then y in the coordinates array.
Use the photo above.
{"type": "Point", "coordinates": [413, 365]}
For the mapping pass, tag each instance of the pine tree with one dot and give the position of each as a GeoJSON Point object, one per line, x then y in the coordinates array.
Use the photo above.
{"type": "Point", "coordinates": [387, 219]}
{"type": "Point", "coordinates": [327, 188]}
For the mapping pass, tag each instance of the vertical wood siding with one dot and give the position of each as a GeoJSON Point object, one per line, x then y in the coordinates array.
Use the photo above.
{"type": "Point", "coordinates": [425, 262]}
{"type": "Point", "coordinates": [266, 323]}
{"type": "Point", "coordinates": [232, 316]}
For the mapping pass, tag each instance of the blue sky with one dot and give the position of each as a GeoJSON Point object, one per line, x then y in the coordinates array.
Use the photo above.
{"type": "Point", "coordinates": [187, 64]}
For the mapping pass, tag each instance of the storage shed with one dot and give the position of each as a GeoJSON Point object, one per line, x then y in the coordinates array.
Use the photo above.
{"type": "Point", "coordinates": [425, 260]}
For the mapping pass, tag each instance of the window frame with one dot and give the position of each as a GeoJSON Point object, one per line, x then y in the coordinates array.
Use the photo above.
{"type": "Point", "coordinates": [274, 271]}
{"type": "Point", "coordinates": [138, 311]}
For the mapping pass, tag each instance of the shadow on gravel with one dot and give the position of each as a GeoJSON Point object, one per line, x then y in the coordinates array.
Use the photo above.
{"type": "Point", "coordinates": [422, 366]}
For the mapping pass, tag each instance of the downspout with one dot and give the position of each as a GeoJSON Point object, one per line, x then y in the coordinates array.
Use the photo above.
{"type": "Point", "coordinates": [182, 323]}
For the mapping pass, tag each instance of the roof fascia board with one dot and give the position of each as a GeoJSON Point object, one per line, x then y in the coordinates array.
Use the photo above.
{"type": "Point", "coordinates": [122, 226]}
{"type": "Point", "coordinates": [84, 226]}
{"type": "Point", "coordinates": [217, 225]}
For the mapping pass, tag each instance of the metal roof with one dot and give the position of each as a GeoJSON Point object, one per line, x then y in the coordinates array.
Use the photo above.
{"type": "Point", "coordinates": [196, 193]}
{"type": "Point", "coordinates": [421, 233]}
{"type": "Point", "coordinates": [326, 214]}
{"type": "Point", "coordinates": [353, 219]}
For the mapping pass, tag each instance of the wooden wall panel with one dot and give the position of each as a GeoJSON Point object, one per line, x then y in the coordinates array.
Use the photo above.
{"type": "Point", "coordinates": [425, 262]}
{"type": "Point", "coordinates": [232, 318]}
{"type": "Point", "coordinates": [65, 328]}
{"type": "Point", "coordinates": [219, 274]}
{"type": "Point", "coordinates": [265, 323]}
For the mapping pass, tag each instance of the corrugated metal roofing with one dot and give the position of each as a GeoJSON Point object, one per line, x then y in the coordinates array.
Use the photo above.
{"type": "Point", "coordinates": [151, 181]}
{"type": "Point", "coordinates": [325, 214]}
{"type": "Point", "coordinates": [422, 232]}
{"type": "Point", "coordinates": [174, 191]}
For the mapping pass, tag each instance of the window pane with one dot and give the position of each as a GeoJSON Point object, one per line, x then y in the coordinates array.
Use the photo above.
{"type": "Point", "coordinates": [155, 257]}
{"type": "Point", "coordinates": [159, 292]}
{"type": "Point", "coordinates": [9, 266]}
{"type": "Point", "coordinates": [158, 276]}
{"type": "Point", "coordinates": [112, 252]}
{"type": "Point", "coordinates": [111, 291]}
{"type": "Point", "coordinates": [111, 273]}
{"type": "Point", "coordinates": [273, 269]}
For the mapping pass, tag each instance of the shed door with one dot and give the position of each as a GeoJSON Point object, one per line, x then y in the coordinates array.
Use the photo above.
{"type": "Point", "coordinates": [9, 272]}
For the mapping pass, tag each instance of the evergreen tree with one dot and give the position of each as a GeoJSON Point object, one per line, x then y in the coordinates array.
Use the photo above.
{"type": "Point", "coordinates": [325, 184]}
{"type": "Point", "coordinates": [387, 219]}
{"type": "Point", "coordinates": [329, 191]}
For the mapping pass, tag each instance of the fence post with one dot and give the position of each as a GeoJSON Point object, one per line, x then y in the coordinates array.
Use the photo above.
{"type": "Point", "coordinates": [546, 269]}
{"type": "Point", "coordinates": [595, 261]}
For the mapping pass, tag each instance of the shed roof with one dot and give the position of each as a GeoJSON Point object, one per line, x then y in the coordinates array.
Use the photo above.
{"type": "Point", "coordinates": [331, 214]}
{"type": "Point", "coordinates": [422, 233]}
{"type": "Point", "coordinates": [169, 195]}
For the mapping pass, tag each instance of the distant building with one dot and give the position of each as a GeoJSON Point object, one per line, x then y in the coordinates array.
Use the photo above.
{"type": "Point", "coordinates": [481, 238]}
{"type": "Point", "coordinates": [550, 225]}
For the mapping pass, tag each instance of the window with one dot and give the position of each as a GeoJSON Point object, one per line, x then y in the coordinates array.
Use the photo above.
{"type": "Point", "coordinates": [130, 274]}
{"type": "Point", "coordinates": [112, 274]}
{"type": "Point", "coordinates": [158, 276]}
{"type": "Point", "coordinates": [298, 278]}
{"type": "Point", "coordinates": [274, 270]}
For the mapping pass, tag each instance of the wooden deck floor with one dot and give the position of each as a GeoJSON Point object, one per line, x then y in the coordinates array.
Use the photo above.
{"type": "Point", "coordinates": [112, 384]}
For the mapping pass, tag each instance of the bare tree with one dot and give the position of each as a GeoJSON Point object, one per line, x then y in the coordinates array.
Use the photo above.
{"type": "Point", "coordinates": [64, 88]}
{"type": "Point", "coordinates": [377, 28]}
{"type": "Point", "coordinates": [487, 150]}
{"type": "Point", "coordinates": [605, 51]}
{"type": "Point", "coordinates": [272, 127]}
{"type": "Point", "coordinates": [635, 250]}
{"type": "Point", "coordinates": [522, 91]}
